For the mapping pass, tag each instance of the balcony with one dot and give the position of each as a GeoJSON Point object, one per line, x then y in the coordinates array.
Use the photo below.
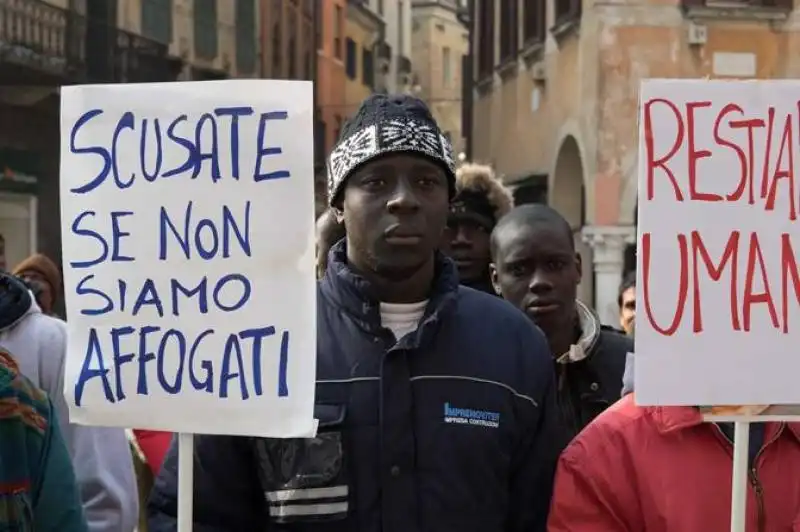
{"type": "Point", "coordinates": [44, 44]}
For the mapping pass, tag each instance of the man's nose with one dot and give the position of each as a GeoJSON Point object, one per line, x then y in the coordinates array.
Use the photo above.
{"type": "Point", "coordinates": [403, 198]}
{"type": "Point", "coordinates": [460, 236]}
{"type": "Point", "coordinates": [540, 282]}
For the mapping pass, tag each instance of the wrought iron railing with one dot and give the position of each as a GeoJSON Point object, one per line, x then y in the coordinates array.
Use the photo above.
{"type": "Point", "coordinates": [63, 42]}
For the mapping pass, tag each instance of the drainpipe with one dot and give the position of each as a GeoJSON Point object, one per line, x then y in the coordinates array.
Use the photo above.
{"type": "Point", "coordinates": [467, 83]}
{"type": "Point", "coordinates": [314, 68]}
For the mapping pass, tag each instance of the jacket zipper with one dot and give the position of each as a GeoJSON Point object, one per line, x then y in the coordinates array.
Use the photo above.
{"type": "Point", "coordinates": [758, 488]}
{"type": "Point", "coordinates": [756, 483]}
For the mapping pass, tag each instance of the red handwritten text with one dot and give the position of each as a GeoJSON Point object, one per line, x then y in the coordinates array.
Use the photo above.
{"type": "Point", "coordinates": [766, 172]}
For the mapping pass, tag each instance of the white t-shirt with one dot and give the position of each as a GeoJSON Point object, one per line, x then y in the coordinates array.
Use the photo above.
{"type": "Point", "coordinates": [402, 318]}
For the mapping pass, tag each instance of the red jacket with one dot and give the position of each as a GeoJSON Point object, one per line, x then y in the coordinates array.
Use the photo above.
{"type": "Point", "coordinates": [154, 445]}
{"type": "Point", "coordinates": [662, 469]}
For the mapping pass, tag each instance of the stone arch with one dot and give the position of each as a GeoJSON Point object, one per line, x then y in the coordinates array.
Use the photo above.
{"type": "Point", "coordinates": [567, 194]}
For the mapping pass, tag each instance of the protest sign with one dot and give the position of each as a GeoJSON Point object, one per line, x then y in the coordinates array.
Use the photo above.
{"type": "Point", "coordinates": [188, 249]}
{"type": "Point", "coordinates": [719, 311]}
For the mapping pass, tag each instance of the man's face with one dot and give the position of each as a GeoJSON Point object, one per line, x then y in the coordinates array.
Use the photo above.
{"type": "Point", "coordinates": [627, 311]}
{"type": "Point", "coordinates": [44, 294]}
{"type": "Point", "coordinates": [467, 243]}
{"type": "Point", "coordinates": [395, 209]}
{"type": "Point", "coordinates": [536, 268]}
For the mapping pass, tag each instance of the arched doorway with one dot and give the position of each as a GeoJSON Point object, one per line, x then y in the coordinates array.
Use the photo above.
{"type": "Point", "coordinates": [567, 194]}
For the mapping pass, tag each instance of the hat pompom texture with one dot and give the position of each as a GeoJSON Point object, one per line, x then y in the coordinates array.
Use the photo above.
{"type": "Point", "coordinates": [387, 124]}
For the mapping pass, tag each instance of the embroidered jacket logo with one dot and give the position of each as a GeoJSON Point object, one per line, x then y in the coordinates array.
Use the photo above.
{"type": "Point", "coordinates": [468, 416]}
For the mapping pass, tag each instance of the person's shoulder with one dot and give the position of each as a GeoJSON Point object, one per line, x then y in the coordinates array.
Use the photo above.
{"type": "Point", "coordinates": [615, 431]}
{"type": "Point", "coordinates": [615, 343]}
{"type": "Point", "coordinates": [20, 399]}
{"type": "Point", "coordinates": [484, 306]}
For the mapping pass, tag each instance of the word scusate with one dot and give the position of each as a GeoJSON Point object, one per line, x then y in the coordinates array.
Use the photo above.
{"type": "Point", "coordinates": [176, 133]}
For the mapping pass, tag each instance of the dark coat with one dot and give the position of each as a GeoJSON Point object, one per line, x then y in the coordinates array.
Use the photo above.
{"type": "Point", "coordinates": [588, 387]}
{"type": "Point", "coordinates": [453, 428]}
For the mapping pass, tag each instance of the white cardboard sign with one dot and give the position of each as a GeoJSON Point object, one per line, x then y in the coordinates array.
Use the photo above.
{"type": "Point", "coordinates": [187, 227]}
{"type": "Point", "coordinates": [718, 310]}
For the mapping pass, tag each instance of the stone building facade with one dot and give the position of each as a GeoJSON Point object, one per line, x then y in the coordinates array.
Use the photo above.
{"type": "Point", "coordinates": [556, 99]}
{"type": "Point", "coordinates": [440, 40]}
{"type": "Point", "coordinates": [48, 43]}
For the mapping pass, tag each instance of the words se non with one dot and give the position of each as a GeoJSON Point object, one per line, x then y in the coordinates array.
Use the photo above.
{"type": "Point", "coordinates": [763, 141]}
{"type": "Point", "coordinates": [202, 142]}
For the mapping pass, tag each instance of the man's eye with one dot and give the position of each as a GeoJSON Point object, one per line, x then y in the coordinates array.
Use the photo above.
{"type": "Point", "coordinates": [374, 182]}
{"type": "Point", "coordinates": [517, 270]}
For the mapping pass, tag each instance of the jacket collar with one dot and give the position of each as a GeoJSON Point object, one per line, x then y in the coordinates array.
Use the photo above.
{"type": "Point", "coordinates": [589, 325]}
{"type": "Point", "coordinates": [676, 418]}
{"type": "Point", "coordinates": [355, 295]}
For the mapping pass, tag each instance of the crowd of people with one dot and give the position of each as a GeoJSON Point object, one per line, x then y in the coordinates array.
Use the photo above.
{"type": "Point", "coordinates": [461, 385]}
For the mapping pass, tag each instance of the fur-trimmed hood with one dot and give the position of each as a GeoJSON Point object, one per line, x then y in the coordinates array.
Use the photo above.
{"type": "Point", "coordinates": [481, 178]}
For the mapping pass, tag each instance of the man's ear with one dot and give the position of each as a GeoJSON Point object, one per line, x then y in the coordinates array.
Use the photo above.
{"type": "Point", "coordinates": [493, 277]}
{"type": "Point", "coordinates": [579, 265]}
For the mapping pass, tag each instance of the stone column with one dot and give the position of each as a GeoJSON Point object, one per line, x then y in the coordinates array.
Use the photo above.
{"type": "Point", "coordinates": [608, 248]}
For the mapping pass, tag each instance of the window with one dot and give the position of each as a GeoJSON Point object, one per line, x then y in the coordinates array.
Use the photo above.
{"type": "Point", "coordinates": [246, 36]}
{"type": "Point", "coordinates": [157, 20]}
{"type": "Point", "coordinates": [307, 53]}
{"type": "Point", "coordinates": [401, 27]}
{"type": "Point", "coordinates": [566, 10]}
{"type": "Point", "coordinates": [367, 67]}
{"type": "Point", "coordinates": [292, 50]}
{"type": "Point", "coordinates": [780, 4]}
{"type": "Point", "coordinates": [318, 28]}
{"type": "Point", "coordinates": [205, 28]}
{"type": "Point", "coordinates": [338, 22]}
{"type": "Point", "coordinates": [485, 40]}
{"type": "Point", "coordinates": [380, 7]}
{"type": "Point", "coordinates": [320, 148]}
{"type": "Point", "coordinates": [338, 130]}
{"type": "Point", "coordinates": [533, 12]}
{"type": "Point", "coordinates": [351, 58]}
{"type": "Point", "coordinates": [277, 40]}
{"type": "Point", "coordinates": [446, 67]}
{"type": "Point", "coordinates": [509, 30]}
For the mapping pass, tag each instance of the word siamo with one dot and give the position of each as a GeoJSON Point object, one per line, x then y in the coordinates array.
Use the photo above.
{"type": "Point", "coordinates": [176, 355]}
{"type": "Point", "coordinates": [199, 141]}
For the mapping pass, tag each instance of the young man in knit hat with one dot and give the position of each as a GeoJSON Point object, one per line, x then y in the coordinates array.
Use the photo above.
{"type": "Point", "coordinates": [435, 402]}
{"type": "Point", "coordinates": [480, 201]}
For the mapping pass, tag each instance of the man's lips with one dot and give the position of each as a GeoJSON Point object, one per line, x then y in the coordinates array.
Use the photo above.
{"type": "Point", "coordinates": [402, 237]}
{"type": "Point", "coordinates": [541, 309]}
{"type": "Point", "coordinates": [463, 262]}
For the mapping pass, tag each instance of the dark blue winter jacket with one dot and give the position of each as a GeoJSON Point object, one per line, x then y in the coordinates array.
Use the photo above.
{"type": "Point", "coordinates": [451, 429]}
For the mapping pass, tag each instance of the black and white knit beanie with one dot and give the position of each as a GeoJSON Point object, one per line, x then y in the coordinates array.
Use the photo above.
{"type": "Point", "coordinates": [387, 124]}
